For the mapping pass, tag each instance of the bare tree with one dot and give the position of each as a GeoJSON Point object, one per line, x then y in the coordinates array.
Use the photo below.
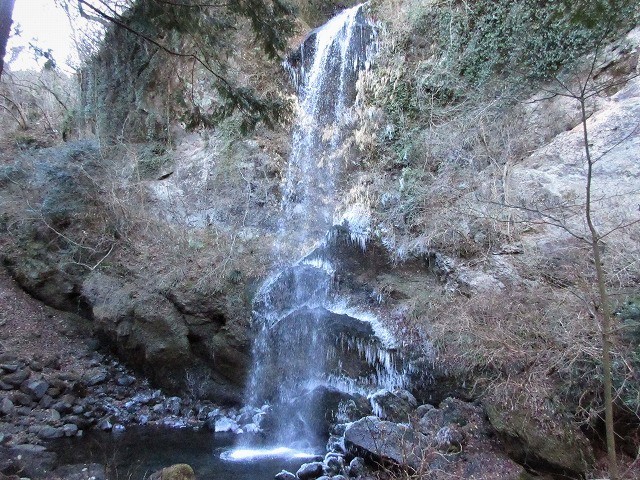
{"type": "Point", "coordinates": [583, 89]}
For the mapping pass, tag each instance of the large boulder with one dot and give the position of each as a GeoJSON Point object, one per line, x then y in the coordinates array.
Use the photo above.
{"type": "Point", "coordinates": [386, 442]}
{"type": "Point", "coordinates": [180, 341]}
{"type": "Point", "coordinates": [541, 441]}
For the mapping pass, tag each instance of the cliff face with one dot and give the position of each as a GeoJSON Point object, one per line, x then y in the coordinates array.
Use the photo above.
{"type": "Point", "coordinates": [465, 181]}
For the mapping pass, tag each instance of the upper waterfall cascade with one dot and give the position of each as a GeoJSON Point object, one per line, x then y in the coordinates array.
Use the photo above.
{"type": "Point", "coordinates": [311, 337]}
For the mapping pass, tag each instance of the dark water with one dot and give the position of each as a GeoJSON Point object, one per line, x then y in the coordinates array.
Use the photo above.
{"type": "Point", "coordinates": [140, 451]}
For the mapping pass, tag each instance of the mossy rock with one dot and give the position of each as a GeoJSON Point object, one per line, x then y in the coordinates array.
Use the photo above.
{"type": "Point", "coordinates": [542, 441]}
{"type": "Point", "coordinates": [180, 471]}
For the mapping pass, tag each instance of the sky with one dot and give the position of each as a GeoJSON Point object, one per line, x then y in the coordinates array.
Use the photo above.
{"type": "Point", "coordinates": [45, 24]}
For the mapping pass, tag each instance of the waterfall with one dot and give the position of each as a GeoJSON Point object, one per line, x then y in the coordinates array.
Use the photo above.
{"type": "Point", "coordinates": [309, 339]}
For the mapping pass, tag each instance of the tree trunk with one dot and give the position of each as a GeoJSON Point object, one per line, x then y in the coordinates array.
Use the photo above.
{"type": "Point", "coordinates": [6, 11]}
{"type": "Point", "coordinates": [605, 306]}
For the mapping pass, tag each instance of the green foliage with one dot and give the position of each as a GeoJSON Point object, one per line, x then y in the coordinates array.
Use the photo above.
{"type": "Point", "coordinates": [529, 38]}
{"type": "Point", "coordinates": [626, 378]}
{"type": "Point", "coordinates": [453, 51]}
{"type": "Point", "coordinates": [174, 51]}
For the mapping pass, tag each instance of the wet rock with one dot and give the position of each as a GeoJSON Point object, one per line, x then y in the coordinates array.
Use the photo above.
{"type": "Point", "coordinates": [285, 475]}
{"type": "Point", "coordinates": [336, 444]}
{"type": "Point", "coordinates": [180, 471]}
{"type": "Point", "coordinates": [35, 387]}
{"type": "Point", "coordinates": [356, 467]}
{"type": "Point", "coordinates": [310, 470]}
{"type": "Point", "coordinates": [333, 464]}
{"type": "Point", "coordinates": [226, 424]}
{"type": "Point", "coordinates": [83, 471]}
{"type": "Point", "coordinates": [386, 441]}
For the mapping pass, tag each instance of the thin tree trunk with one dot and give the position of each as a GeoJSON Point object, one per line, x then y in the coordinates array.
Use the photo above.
{"type": "Point", "coordinates": [604, 307]}
{"type": "Point", "coordinates": [6, 12]}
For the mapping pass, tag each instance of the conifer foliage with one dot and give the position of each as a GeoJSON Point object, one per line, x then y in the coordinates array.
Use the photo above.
{"type": "Point", "coordinates": [201, 32]}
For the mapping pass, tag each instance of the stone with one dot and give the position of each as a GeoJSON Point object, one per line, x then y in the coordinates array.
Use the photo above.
{"type": "Point", "coordinates": [35, 387]}
{"type": "Point", "coordinates": [48, 432]}
{"type": "Point", "coordinates": [20, 398]}
{"type": "Point", "coordinates": [7, 407]}
{"type": "Point", "coordinates": [449, 439]}
{"type": "Point", "coordinates": [172, 405]}
{"type": "Point", "coordinates": [180, 471]}
{"type": "Point", "coordinates": [69, 429]}
{"type": "Point", "coordinates": [105, 425]}
{"type": "Point", "coordinates": [285, 475]}
{"type": "Point", "coordinates": [226, 424]}
{"type": "Point", "coordinates": [36, 366]}
{"type": "Point", "coordinates": [96, 378]}
{"type": "Point", "coordinates": [309, 471]}
{"type": "Point", "coordinates": [334, 463]}
{"type": "Point", "coordinates": [46, 401]}
{"type": "Point", "coordinates": [422, 410]}
{"type": "Point", "coordinates": [54, 415]}
{"type": "Point", "coordinates": [125, 380]}
{"type": "Point", "coordinates": [63, 407]}
{"type": "Point", "coordinates": [396, 406]}
{"type": "Point", "coordinates": [356, 467]}
{"type": "Point", "coordinates": [386, 441]}
{"type": "Point", "coordinates": [10, 367]}
{"type": "Point", "coordinates": [335, 444]}
{"type": "Point", "coordinates": [17, 377]}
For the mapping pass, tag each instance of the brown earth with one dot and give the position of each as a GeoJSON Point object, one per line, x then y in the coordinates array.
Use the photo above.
{"type": "Point", "coordinates": [32, 331]}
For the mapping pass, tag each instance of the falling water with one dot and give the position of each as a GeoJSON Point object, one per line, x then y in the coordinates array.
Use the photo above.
{"type": "Point", "coordinates": [308, 337]}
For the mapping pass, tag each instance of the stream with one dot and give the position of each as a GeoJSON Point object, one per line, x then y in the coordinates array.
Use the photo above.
{"type": "Point", "coordinates": [139, 451]}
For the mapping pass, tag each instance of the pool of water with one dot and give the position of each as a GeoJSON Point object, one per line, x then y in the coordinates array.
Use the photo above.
{"type": "Point", "coordinates": [140, 451]}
